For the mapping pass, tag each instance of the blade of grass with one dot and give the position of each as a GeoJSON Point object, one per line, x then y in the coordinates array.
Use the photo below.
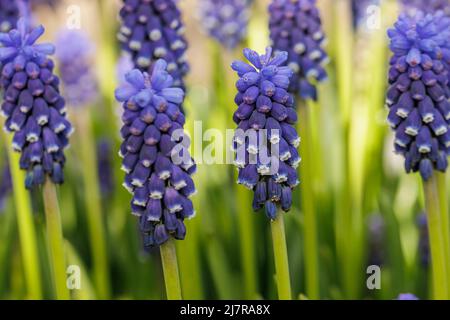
{"type": "Point", "coordinates": [307, 204]}
{"type": "Point", "coordinates": [55, 240]}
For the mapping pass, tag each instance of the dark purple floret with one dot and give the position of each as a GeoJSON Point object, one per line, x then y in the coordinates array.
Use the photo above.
{"type": "Point", "coordinates": [33, 107]}
{"type": "Point", "coordinates": [74, 56]}
{"type": "Point", "coordinates": [9, 14]}
{"type": "Point", "coordinates": [418, 95]}
{"type": "Point", "coordinates": [225, 20]}
{"type": "Point", "coordinates": [157, 164]}
{"type": "Point", "coordinates": [295, 27]}
{"type": "Point", "coordinates": [266, 141]}
{"type": "Point", "coordinates": [152, 30]}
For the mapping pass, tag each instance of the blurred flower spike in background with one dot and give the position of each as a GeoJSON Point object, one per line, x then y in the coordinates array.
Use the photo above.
{"type": "Point", "coordinates": [74, 55]}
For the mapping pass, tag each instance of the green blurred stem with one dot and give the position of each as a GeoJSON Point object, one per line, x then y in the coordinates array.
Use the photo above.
{"type": "Point", "coordinates": [170, 268]}
{"type": "Point", "coordinates": [307, 200]}
{"type": "Point", "coordinates": [27, 231]}
{"type": "Point", "coordinates": [281, 258]}
{"type": "Point", "coordinates": [445, 221]}
{"type": "Point", "coordinates": [55, 240]}
{"type": "Point", "coordinates": [189, 263]}
{"type": "Point", "coordinates": [437, 246]}
{"type": "Point", "coordinates": [246, 231]}
{"type": "Point", "coordinates": [97, 234]}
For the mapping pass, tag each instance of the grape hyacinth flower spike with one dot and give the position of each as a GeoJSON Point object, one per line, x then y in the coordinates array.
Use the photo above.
{"type": "Point", "coordinates": [266, 144]}
{"type": "Point", "coordinates": [417, 98]}
{"type": "Point", "coordinates": [153, 30]}
{"type": "Point", "coordinates": [74, 56]}
{"type": "Point", "coordinates": [225, 20]}
{"type": "Point", "coordinates": [35, 113]}
{"type": "Point", "coordinates": [152, 123]}
{"type": "Point", "coordinates": [419, 113]}
{"type": "Point", "coordinates": [296, 27]}
{"type": "Point", "coordinates": [34, 109]}
{"type": "Point", "coordinates": [264, 105]}
{"type": "Point", "coordinates": [158, 176]}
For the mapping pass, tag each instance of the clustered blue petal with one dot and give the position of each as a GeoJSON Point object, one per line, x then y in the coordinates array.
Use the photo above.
{"type": "Point", "coordinates": [266, 141]}
{"type": "Point", "coordinates": [295, 27]}
{"type": "Point", "coordinates": [152, 30]}
{"type": "Point", "coordinates": [74, 56]}
{"type": "Point", "coordinates": [123, 66]}
{"type": "Point", "coordinates": [9, 14]}
{"type": "Point", "coordinates": [427, 6]}
{"type": "Point", "coordinates": [225, 20]}
{"type": "Point", "coordinates": [152, 130]}
{"type": "Point", "coordinates": [417, 98]}
{"type": "Point", "coordinates": [34, 109]}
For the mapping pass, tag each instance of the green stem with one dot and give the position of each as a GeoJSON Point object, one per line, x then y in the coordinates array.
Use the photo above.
{"type": "Point", "coordinates": [281, 258]}
{"type": "Point", "coordinates": [445, 220]}
{"type": "Point", "coordinates": [55, 240]}
{"type": "Point", "coordinates": [307, 200]}
{"type": "Point", "coordinates": [247, 241]}
{"type": "Point", "coordinates": [170, 268]}
{"type": "Point", "coordinates": [437, 245]}
{"type": "Point", "coordinates": [93, 202]}
{"type": "Point", "coordinates": [27, 231]}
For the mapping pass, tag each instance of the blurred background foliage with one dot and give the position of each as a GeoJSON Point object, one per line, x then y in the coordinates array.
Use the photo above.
{"type": "Point", "coordinates": [368, 211]}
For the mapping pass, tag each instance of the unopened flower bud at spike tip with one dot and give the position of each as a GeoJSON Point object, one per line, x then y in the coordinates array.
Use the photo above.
{"type": "Point", "coordinates": [159, 184]}
{"type": "Point", "coordinates": [296, 28]}
{"type": "Point", "coordinates": [266, 142]}
{"type": "Point", "coordinates": [35, 113]}
{"type": "Point", "coordinates": [418, 95]}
